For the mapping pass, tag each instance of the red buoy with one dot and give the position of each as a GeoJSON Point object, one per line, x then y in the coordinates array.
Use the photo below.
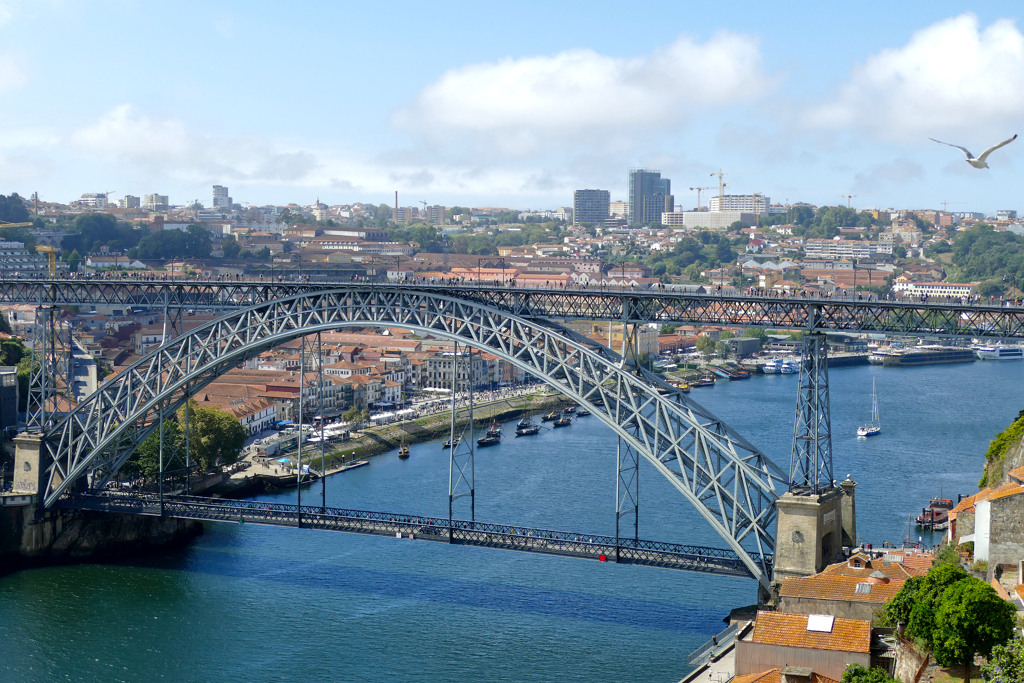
{"type": "Point", "coordinates": [603, 558]}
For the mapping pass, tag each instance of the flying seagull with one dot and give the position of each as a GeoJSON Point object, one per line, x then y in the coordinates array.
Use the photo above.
{"type": "Point", "coordinates": [980, 161]}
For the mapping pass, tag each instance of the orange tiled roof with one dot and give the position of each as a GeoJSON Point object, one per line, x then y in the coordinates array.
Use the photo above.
{"type": "Point", "coordinates": [1019, 590]}
{"type": "Point", "coordinates": [1017, 474]}
{"type": "Point", "coordinates": [834, 587]}
{"type": "Point", "coordinates": [1006, 490]}
{"type": "Point", "coordinates": [965, 504]}
{"type": "Point", "coordinates": [893, 570]}
{"type": "Point", "coordinates": [781, 628]}
{"type": "Point", "coordinates": [775, 676]}
{"type": "Point", "coordinates": [916, 561]}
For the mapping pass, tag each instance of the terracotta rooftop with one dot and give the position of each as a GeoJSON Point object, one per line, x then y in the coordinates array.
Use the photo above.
{"type": "Point", "coordinates": [893, 570]}
{"type": "Point", "coordinates": [782, 628]}
{"type": "Point", "coordinates": [1019, 591]}
{"type": "Point", "coordinates": [1000, 590]}
{"type": "Point", "coordinates": [916, 561]}
{"type": "Point", "coordinates": [775, 676]}
{"type": "Point", "coordinates": [1017, 474]}
{"type": "Point", "coordinates": [1006, 490]}
{"type": "Point", "coordinates": [833, 587]}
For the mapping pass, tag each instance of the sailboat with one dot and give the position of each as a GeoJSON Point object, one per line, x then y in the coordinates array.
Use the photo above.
{"type": "Point", "coordinates": [875, 426]}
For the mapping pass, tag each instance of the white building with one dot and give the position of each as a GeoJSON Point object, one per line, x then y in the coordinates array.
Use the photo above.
{"type": "Point", "coordinates": [221, 198]}
{"type": "Point", "coordinates": [940, 289]}
{"type": "Point", "coordinates": [620, 209]}
{"type": "Point", "coordinates": [155, 202]}
{"type": "Point", "coordinates": [837, 249]}
{"type": "Point", "coordinates": [96, 200]}
{"type": "Point", "coordinates": [741, 202]}
{"type": "Point", "coordinates": [711, 220]}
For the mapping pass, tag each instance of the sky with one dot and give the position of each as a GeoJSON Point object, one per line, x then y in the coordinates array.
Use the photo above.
{"type": "Point", "coordinates": [512, 104]}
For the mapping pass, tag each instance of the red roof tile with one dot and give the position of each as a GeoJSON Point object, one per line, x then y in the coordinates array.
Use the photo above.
{"type": "Point", "coordinates": [781, 628]}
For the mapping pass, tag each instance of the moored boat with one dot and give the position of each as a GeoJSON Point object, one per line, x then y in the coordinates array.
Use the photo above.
{"type": "Point", "coordinates": [403, 452]}
{"type": "Point", "coordinates": [553, 415]}
{"type": "Point", "coordinates": [527, 431]}
{"type": "Point", "coordinates": [488, 440]}
{"type": "Point", "coordinates": [448, 443]}
{"type": "Point", "coordinates": [998, 352]}
{"type": "Point", "coordinates": [936, 515]}
{"type": "Point", "coordinates": [771, 367]}
{"type": "Point", "coordinates": [705, 381]}
{"type": "Point", "coordinates": [582, 412]}
{"type": "Point", "coordinates": [874, 427]}
{"type": "Point", "coordinates": [563, 421]}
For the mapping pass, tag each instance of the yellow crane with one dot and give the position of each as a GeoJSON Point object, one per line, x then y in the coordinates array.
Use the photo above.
{"type": "Point", "coordinates": [51, 257]}
{"type": "Point", "coordinates": [15, 225]}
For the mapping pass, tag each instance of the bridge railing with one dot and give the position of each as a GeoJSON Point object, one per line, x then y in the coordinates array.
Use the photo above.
{"type": "Point", "coordinates": [507, 536]}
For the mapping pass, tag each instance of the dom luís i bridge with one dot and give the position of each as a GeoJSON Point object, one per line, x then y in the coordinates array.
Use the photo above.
{"type": "Point", "coordinates": [772, 520]}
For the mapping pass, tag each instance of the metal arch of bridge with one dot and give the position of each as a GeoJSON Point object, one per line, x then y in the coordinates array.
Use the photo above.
{"type": "Point", "coordinates": [811, 314]}
{"type": "Point", "coordinates": [730, 482]}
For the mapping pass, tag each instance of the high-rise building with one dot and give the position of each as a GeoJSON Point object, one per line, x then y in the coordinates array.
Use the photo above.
{"type": "Point", "coordinates": [618, 208]}
{"type": "Point", "coordinates": [221, 198]}
{"type": "Point", "coordinates": [590, 206]}
{"type": "Point", "coordinates": [155, 202]}
{"type": "Point", "coordinates": [1001, 214]}
{"type": "Point", "coordinates": [650, 195]}
{"type": "Point", "coordinates": [741, 202]}
{"type": "Point", "coordinates": [403, 214]}
{"type": "Point", "coordinates": [130, 202]}
{"type": "Point", "coordinates": [96, 200]}
{"type": "Point", "coordinates": [435, 214]}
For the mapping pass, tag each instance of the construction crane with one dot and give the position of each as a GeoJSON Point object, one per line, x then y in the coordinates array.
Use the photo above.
{"type": "Point", "coordinates": [945, 204]}
{"type": "Point", "coordinates": [849, 197]}
{"type": "Point", "coordinates": [15, 225]}
{"type": "Point", "coordinates": [698, 191]}
{"type": "Point", "coordinates": [721, 185]}
{"type": "Point", "coordinates": [51, 257]}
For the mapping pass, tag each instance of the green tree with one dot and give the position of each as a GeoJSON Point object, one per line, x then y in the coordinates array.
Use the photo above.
{"type": "Point", "coordinates": [74, 260]}
{"type": "Point", "coordinates": [12, 209]}
{"type": "Point", "coordinates": [12, 351]}
{"type": "Point", "coordinates": [921, 623]}
{"type": "Point", "coordinates": [724, 350]}
{"type": "Point", "coordinates": [970, 620]}
{"type": "Point", "coordinates": [146, 458]}
{"type": "Point", "coordinates": [855, 673]}
{"type": "Point", "coordinates": [230, 247]}
{"type": "Point", "coordinates": [898, 609]}
{"type": "Point", "coordinates": [263, 254]}
{"type": "Point", "coordinates": [755, 332]}
{"type": "Point", "coordinates": [1006, 663]}
{"type": "Point", "coordinates": [668, 329]}
{"type": "Point", "coordinates": [947, 554]}
{"type": "Point", "coordinates": [351, 415]}
{"type": "Point", "coordinates": [706, 346]}
{"type": "Point", "coordinates": [215, 437]}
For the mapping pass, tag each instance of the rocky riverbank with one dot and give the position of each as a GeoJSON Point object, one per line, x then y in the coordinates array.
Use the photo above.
{"type": "Point", "coordinates": [69, 536]}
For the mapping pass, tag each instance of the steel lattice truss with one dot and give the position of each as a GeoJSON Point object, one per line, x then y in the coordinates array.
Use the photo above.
{"type": "Point", "coordinates": [825, 315]}
{"type": "Point", "coordinates": [730, 482]}
{"type": "Point", "coordinates": [464, 532]}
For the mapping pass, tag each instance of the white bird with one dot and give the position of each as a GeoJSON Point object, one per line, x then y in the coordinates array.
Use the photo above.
{"type": "Point", "coordinates": [978, 162]}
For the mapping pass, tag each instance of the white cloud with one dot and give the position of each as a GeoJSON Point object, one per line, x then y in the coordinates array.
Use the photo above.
{"type": "Point", "coordinates": [950, 77]}
{"type": "Point", "coordinates": [518, 106]}
{"type": "Point", "coordinates": [12, 73]}
{"type": "Point", "coordinates": [885, 176]}
{"type": "Point", "coordinates": [168, 145]}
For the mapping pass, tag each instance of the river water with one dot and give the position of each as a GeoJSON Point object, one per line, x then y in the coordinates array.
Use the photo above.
{"type": "Point", "coordinates": [263, 604]}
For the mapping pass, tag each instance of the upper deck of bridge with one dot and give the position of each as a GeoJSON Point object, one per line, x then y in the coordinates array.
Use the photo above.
{"type": "Point", "coordinates": [953, 318]}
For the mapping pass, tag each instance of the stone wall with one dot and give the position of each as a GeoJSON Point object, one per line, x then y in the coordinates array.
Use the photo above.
{"type": "Point", "coordinates": [844, 609]}
{"type": "Point", "coordinates": [910, 662]}
{"type": "Point", "coordinates": [1006, 531]}
{"type": "Point", "coordinates": [63, 536]}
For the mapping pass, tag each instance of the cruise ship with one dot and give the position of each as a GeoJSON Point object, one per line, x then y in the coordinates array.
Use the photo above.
{"type": "Point", "coordinates": [929, 355]}
{"type": "Point", "coordinates": [998, 352]}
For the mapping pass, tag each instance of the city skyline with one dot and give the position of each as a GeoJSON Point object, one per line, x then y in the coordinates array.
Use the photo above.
{"type": "Point", "coordinates": [556, 101]}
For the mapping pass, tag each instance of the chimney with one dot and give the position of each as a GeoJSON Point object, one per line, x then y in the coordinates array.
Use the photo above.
{"type": "Point", "coordinates": [396, 201]}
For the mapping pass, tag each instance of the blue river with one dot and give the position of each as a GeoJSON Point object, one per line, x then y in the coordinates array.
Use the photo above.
{"type": "Point", "coordinates": [261, 604]}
